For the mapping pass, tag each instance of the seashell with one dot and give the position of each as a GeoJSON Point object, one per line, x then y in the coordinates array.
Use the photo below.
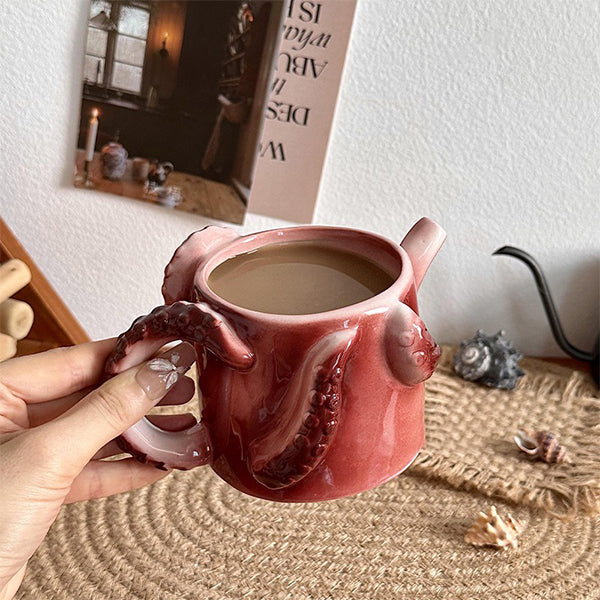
{"type": "Point", "coordinates": [475, 360]}
{"type": "Point", "coordinates": [543, 444]}
{"type": "Point", "coordinates": [490, 529]}
{"type": "Point", "coordinates": [489, 359]}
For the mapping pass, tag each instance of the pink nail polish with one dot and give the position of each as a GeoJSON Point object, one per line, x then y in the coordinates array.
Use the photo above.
{"type": "Point", "coordinates": [160, 374]}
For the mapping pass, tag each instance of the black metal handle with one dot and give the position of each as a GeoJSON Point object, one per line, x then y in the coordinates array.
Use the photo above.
{"type": "Point", "coordinates": [549, 307]}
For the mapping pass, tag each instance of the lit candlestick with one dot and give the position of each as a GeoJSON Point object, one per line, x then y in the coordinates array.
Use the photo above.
{"type": "Point", "coordinates": [91, 137]}
{"type": "Point", "coordinates": [163, 49]}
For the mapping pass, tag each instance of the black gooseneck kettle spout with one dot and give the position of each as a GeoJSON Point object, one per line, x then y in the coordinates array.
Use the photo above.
{"type": "Point", "coordinates": [590, 357]}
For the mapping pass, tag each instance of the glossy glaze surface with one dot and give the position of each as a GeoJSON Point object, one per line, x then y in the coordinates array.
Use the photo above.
{"type": "Point", "coordinates": [299, 407]}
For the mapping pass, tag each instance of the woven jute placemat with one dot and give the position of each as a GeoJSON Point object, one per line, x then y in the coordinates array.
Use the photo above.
{"type": "Point", "coordinates": [192, 536]}
{"type": "Point", "coordinates": [470, 430]}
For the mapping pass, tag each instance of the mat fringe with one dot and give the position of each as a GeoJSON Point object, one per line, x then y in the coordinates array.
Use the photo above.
{"type": "Point", "coordinates": [569, 490]}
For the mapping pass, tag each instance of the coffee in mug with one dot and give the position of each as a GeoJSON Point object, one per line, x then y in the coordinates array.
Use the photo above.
{"type": "Point", "coordinates": [298, 278]}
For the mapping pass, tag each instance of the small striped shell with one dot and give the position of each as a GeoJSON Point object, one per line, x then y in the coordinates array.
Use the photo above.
{"type": "Point", "coordinates": [543, 444]}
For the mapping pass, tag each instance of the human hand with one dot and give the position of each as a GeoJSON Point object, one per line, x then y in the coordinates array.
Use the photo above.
{"type": "Point", "coordinates": [55, 429]}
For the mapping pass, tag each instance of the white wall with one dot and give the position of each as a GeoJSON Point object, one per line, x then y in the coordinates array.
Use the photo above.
{"type": "Point", "coordinates": [480, 114]}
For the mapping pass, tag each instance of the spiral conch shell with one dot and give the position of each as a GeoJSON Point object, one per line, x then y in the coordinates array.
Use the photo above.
{"type": "Point", "coordinates": [543, 444]}
{"type": "Point", "coordinates": [490, 529]}
{"type": "Point", "coordinates": [489, 359]}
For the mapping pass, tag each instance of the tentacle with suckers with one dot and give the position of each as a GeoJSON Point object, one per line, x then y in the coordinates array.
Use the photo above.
{"type": "Point", "coordinates": [187, 321]}
{"type": "Point", "coordinates": [306, 422]}
{"type": "Point", "coordinates": [178, 283]}
{"type": "Point", "coordinates": [193, 322]}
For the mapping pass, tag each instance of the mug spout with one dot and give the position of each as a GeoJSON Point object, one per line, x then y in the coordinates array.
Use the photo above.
{"type": "Point", "coordinates": [422, 243]}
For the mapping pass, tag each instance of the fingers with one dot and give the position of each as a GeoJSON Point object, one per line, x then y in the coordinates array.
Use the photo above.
{"type": "Point", "coordinates": [114, 407]}
{"type": "Point", "coordinates": [110, 449]}
{"type": "Point", "coordinates": [56, 373]}
{"type": "Point", "coordinates": [99, 479]}
{"type": "Point", "coordinates": [13, 412]}
{"type": "Point", "coordinates": [42, 412]}
{"type": "Point", "coordinates": [11, 588]}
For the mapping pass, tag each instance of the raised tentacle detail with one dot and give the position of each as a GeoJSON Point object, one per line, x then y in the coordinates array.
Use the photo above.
{"type": "Point", "coordinates": [178, 283]}
{"type": "Point", "coordinates": [192, 322]}
{"type": "Point", "coordinates": [304, 427]}
{"type": "Point", "coordinates": [411, 352]}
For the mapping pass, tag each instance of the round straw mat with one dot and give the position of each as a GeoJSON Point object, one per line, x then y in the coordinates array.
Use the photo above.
{"type": "Point", "coordinates": [470, 430]}
{"type": "Point", "coordinates": [191, 536]}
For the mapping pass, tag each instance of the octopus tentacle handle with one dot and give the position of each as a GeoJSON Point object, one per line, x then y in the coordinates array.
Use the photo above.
{"type": "Point", "coordinates": [192, 322]}
{"type": "Point", "coordinates": [305, 425]}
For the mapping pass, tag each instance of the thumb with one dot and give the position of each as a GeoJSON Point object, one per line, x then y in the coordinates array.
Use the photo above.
{"type": "Point", "coordinates": [119, 403]}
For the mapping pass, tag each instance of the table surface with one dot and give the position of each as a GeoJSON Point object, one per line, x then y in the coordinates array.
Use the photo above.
{"type": "Point", "coordinates": [200, 196]}
{"type": "Point", "coordinates": [193, 536]}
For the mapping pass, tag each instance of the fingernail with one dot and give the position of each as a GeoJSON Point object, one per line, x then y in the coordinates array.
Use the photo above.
{"type": "Point", "coordinates": [160, 374]}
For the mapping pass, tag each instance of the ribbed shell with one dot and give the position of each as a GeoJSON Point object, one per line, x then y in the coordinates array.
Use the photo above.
{"type": "Point", "coordinates": [490, 529]}
{"type": "Point", "coordinates": [491, 360]}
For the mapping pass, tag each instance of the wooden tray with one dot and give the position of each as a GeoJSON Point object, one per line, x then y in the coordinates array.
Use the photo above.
{"type": "Point", "coordinates": [54, 324]}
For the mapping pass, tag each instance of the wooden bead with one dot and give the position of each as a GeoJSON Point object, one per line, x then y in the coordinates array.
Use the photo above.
{"type": "Point", "coordinates": [16, 318]}
{"type": "Point", "coordinates": [8, 346]}
{"type": "Point", "coordinates": [14, 275]}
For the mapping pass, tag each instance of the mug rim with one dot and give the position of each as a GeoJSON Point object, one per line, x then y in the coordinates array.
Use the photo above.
{"type": "Point", "coordinates": [242, 244]}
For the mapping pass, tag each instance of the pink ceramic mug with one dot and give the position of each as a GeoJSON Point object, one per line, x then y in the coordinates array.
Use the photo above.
{"type": "Point", "coordinates": [295, 408]}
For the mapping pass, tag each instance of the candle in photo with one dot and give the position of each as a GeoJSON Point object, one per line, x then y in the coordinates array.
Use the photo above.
{"type": "Point", "coordinates": [163, 49]}
{"type": "Point", "coordinates": [91, 137]}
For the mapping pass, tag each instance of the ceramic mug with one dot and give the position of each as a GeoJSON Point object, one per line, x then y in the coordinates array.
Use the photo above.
{"type": "Point", "coordinates": [140, 168]}
{"type": "Point", "coordinates": [295, 408]}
